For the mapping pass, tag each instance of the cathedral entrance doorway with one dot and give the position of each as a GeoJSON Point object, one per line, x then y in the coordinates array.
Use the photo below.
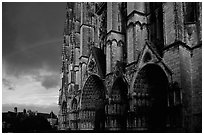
{"type": "Point", "coordinates": [116, 108]}
{"type": "Point", "coordinates": [149, 104]}
{"type": "Point", "coordinates": [92, 104]}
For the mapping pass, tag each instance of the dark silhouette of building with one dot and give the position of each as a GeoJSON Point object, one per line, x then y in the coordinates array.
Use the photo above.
{"type": "Point", "coordinates": [28, 121]}
{"type": "Point", "coordinates": [52, 119]}
{"type": "Point", "coordinates": [134, 66]}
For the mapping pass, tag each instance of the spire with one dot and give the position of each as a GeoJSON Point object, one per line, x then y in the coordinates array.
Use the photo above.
{"type": "Point", "coordinates": [68, 18]}
{"type": "Point", "coordinates": [66, 24]}
{"type": "Point", "coordinates": [67, 5]}
{"type": "Point", "coordinates": [72, 38]}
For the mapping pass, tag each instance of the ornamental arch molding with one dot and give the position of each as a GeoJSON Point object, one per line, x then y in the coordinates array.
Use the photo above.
{"type": "Point", "coordinates": [91, 112]}
{"type": "Point", "coordinates": [149, 99]}
{"type": "Point", "coordinates": [117, 106]}
{"type": "Point", "coordinates": [160, 65]}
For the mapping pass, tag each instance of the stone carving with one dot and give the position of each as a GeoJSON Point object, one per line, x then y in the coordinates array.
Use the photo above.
{"type": "Point", "coordinates": [92, 66]}
{"type": "Point", "coordinates": [119, 69]}
{"type": "Point", "coordinates": [109, 83]}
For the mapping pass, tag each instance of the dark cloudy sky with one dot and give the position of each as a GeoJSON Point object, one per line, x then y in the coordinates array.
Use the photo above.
{"type": "Point", "coordinates": [32, 35]}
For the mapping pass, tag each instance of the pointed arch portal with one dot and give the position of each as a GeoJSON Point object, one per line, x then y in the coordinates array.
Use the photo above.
{"type": "Point", "coordinates": [149, 102]}
{"type": "Point", "coordinates": [92, 104]}
{"type": "Point", "coordinates": [116, 109]}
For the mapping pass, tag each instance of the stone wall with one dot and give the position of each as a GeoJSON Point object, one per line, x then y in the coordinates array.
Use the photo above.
{"type": "Point", "coordinates": [180, 58]}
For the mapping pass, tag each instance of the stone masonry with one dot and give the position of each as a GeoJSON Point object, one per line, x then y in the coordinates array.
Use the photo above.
{"type": "Point", "coordinates": [132, 67]}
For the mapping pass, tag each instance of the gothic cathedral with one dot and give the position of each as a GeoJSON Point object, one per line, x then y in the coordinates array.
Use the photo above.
{"type": "Point", "coordinates": [132, 66]}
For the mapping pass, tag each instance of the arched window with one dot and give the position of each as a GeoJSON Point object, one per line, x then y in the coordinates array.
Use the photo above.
{"type": "Point", "coordinates": [108, 58]}
{"type": "Point", "coordinates": [113, 53]}
{"type": "Point", "coordinates": [119, 51]}
{"type": "Point", "coordinates": [192, 21]}
{"type": "Point", "coordinates": [123, 16]}
{"type": "Point", "coordinates": [191, 12]}
{"type": "Point", "coordinates": [156, 24]}
{"type": "Point", "coordinates": [74, 104]}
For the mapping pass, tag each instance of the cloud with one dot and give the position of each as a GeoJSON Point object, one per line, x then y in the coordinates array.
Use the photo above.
{"type": "Point", "coordinates": [31, 51]}
{"type": "Point", "coordinates": [29, 91]}
{"type": "Point", "coordinates": [32, 36]}
{"type": "Point", "coordinates": [45, 54]}
{"type": "Point", "coordinates": [50, 81]}
{"type": "Point", "coordinates": [8, 84]}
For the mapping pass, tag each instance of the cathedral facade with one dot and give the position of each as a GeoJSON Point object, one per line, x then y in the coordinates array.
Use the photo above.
{"type": "Point", "coordinates": [132, 66]}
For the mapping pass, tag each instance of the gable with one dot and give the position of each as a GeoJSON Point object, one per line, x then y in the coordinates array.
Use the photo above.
{"type": "Point", "coordinates": [148, 54]}
{"type": "Point", "coordinates": [96, 62]}
{"type": "Point", "coordinates": [91, 65]}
